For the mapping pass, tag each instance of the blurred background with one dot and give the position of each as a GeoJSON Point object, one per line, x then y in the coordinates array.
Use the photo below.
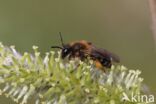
{"type": "Point", "coordinates": [120, 26]}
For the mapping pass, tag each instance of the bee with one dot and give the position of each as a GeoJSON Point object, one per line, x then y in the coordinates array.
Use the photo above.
{"type": "Point", "coordinates": [83, 49]}
{"type": "Point", "coordinates": [76, 49]}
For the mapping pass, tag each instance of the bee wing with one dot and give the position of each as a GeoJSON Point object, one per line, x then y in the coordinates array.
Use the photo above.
{"type": "Point", "coordinates": [105, 53]}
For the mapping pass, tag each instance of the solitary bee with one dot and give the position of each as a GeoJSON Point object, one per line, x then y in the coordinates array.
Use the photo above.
{"type": "Point", "coordinates": [77, 49]}
{"type": "Point", "coordinates": [83, 49]}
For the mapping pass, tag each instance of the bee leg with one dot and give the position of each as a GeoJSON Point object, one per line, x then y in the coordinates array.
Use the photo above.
{"type": "Point", "coordinates": [70, 57]}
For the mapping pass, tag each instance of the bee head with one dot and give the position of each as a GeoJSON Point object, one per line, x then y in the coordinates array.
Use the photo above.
{"type": "Point", "coordinates": [65, 48]}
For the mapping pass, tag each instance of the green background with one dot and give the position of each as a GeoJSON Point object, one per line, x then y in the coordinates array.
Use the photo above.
{"type": "Point", "coordinates": [120, 26]}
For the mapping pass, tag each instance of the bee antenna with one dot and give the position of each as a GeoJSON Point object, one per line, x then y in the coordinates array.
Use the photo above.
{"type": "Point", "coordinates": [61, 39]}
{"type": "Point", "coordinates": [56, 47]}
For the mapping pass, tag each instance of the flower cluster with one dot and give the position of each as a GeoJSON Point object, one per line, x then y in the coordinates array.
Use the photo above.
{"type": "Point", "coordinates": [51, 80]}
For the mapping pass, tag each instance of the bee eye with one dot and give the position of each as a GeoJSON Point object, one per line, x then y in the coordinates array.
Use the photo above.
{"type": "Point", "coordinates": [65, 50]}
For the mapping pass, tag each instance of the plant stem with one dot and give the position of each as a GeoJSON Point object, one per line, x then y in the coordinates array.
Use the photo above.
{"type": "Point", "coordinates": [152, 6]}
